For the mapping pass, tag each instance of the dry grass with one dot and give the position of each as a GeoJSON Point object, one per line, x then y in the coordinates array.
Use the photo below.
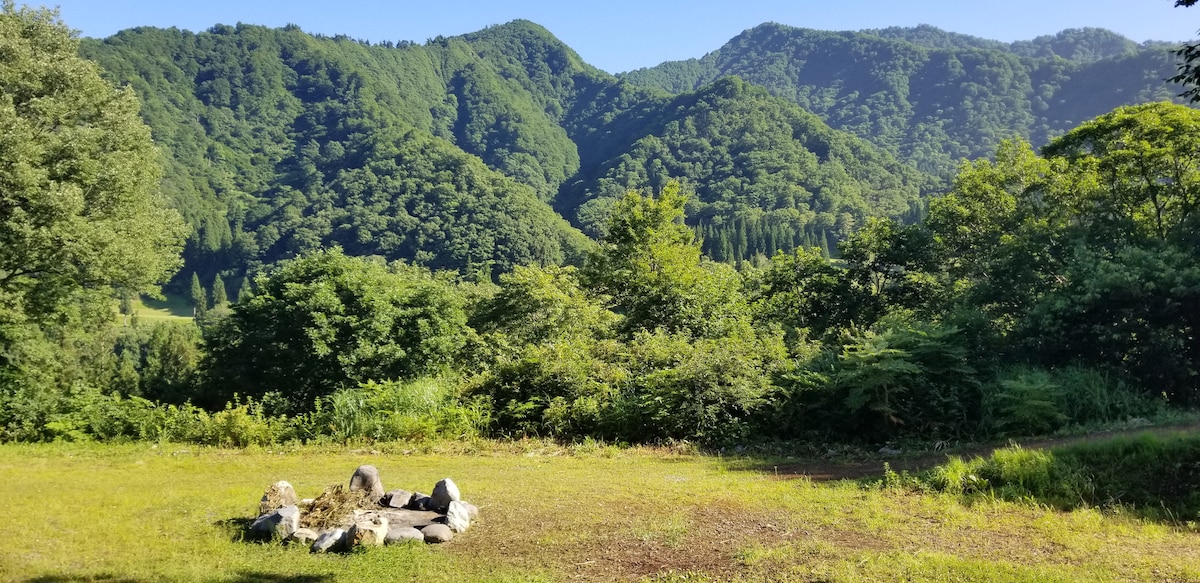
{"type": "Point", "coordinates": [133, 513]}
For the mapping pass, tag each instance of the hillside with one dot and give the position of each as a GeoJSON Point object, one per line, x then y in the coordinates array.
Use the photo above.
{"type": "Point", "coordinates": [933, 97]}
{"type": "Point", "coordinates": [466, 152]}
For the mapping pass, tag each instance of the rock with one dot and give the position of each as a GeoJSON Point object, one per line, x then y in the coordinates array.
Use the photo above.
{"type": "Point", "coordinates": [304, 536]}
{"type": "Point", "coordinates": [420, 502]}
{"type": "Point", "coordinates": [396, 498]}
{"type": "Point", "coordinates": [369, 533]}
{"type": "Point", "coordinates": [444, 492]}
{"type": "Point", "coordinates": [472, 510]}
{"type": "Point", "coordinates": [279, 524]}
{"type": "Point", "coordinates": [416, 518]}
{"type": "Point", "coordinates": [437, 533]}
{"type": "Point", "coordinates": [403, 534]}
{"type": "Point", "coordinates": [277, 496]}
{"type": "Point", "coordinates": [458, 517]}
{"type": "Point", "coordinates": [366, 478]}
{"type": "Point", "coordinates": [330, 540]}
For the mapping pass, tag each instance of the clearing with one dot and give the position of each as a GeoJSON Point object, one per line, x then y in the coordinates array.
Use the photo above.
{"type": "Point", "coordinates": [145, 512]}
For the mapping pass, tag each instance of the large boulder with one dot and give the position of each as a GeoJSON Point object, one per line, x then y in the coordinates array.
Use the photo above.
{"type": "Point", "coordinates": [330, 541]}
{"type": "Point", "coordinates": [444, 492]}
{"type": "Point", "coordinates": [277, 496]}
{"type": "Point", "coordinates": [403, 534]}
{"type": "Point", "coordinates": [278, 524]}
{"type": "Point", "coordinates": [458, 517]}
{"type": "Point", "coordinates": [437, 533]}
{"type": "Point", "coordinates": [366, 479]}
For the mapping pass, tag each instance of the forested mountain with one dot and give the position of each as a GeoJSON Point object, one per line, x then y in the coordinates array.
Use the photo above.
{"type": "Point", "coordinates": [450, 153]}
{"type": "Point", "coordinates": [933, 97]}
{"type": "Point", "coordinates": [457, 153]}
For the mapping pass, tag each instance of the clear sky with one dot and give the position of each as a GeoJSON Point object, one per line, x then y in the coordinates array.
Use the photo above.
{"type": "Point", "coordinates": [619, 35]}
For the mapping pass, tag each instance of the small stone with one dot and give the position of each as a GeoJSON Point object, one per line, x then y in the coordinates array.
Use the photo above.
{"type": "Point", "coordinates": [397, 498]}
{"type": "Point", "coordinates": [444, 492]}
{"type": "Point", "coordinates": [304, 536]}
{"type": "Point", "coordinates": [458, 517]}
{"type": "Point", "coordinates": [437, 533]}
{"type": "Point", "coordinates": [369, 533]}
{"type": "Point", "coordinates": [403, 534]}
{"type": "Point", "coordinates": [277, 496]}
{"type": "Point", "coordinates": [420, 502]}
{"type": "Point", "coordinates": [366, 479]}
{"type": "Point", "coordinates": [330, 540]}
{"type": "Point", "coordinates": [279, 524]}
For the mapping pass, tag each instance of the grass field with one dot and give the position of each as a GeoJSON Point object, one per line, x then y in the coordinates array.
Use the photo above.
{"type": "Point", "coordinates": [142, 512]}
{"type": "Point", "coordinates": [173, 307]}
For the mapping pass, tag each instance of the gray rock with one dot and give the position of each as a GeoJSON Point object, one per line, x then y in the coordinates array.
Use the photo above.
{"type": "Point", "coordinates": [403, 534]}
{"type": "Point", "coordinates": [366, 478]}
{"type": "Point", "coordinates": [397, 498]}
{"type": "Point", "coordinates": [416, 518]}
{"type": "Point", "coordinates": [437, 533]}
{"type": "Point", "coordinates": [444, 492]}
{"type": "Point", "coordinates": [458, 517]}
{"type": "Point", "coordinates": [420, 502]}
{"type": "Point", "coordinates": [330, 541]}
{"type": "Point", "coordinates": [304, 536]}
{"type": "Point", "coordinates": [472, 510]}
{"type": "Point", "coordinates": [369, 533]}
{"type": "Point", "coordinates": [277, 496]}
{"type": "Point", "coordinates": [278, 524]}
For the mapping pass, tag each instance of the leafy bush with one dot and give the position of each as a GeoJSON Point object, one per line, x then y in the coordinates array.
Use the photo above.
{"type": "Point", "coordinates": [910, 379]}
{"type": "Point", "coordinates": [390, 410]}
{"type": "Point", "coordinates": [1033, 401]}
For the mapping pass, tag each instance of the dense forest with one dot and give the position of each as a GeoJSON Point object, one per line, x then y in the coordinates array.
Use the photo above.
{"type": "Point", "coordinates": [484, 236]}
{"type": "Point", "coordinates": [931, 97]}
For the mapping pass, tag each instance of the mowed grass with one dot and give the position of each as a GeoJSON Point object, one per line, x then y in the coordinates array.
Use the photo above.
{"type": "Point", "coordinates": [141, 512]}
{"type": "Point", "coordinates": [173, 307]}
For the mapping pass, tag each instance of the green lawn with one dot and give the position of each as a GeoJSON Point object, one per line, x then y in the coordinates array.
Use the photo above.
{"type": "Point", "coordinates": [173, 307]}
{"type": "Point", "coordinates": [142, 512]}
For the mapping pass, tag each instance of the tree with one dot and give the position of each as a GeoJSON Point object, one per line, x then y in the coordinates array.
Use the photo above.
{"type": "Point", "coordinates": [199, 297]}
{"type": "Point", "coordinates": [219, 297]}
{"type": "Point", "coordinates": [651, 267]}
{"type": "Point", "coordinates": [80, 208]}
{"type": "Point", "coordinates": [325, 321]}
{"type": "Point", "coordinates": [1137, 171]}
{"type": "Point", "coordinates": [1188, 69]}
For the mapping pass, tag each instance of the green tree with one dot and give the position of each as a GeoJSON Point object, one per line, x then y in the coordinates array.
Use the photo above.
{"type": "Point", "coordinates": [651, 267]}
{"type": "Point", "coordinates": [80, 209]}
{"type": "Point", "coordinates": [325, 321]}
{"type": "Point", "coordinates": [219, 297]}
{"type": "Point", "coordinates": [199, 297]}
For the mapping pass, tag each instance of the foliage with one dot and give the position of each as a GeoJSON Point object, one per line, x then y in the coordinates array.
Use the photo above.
{"type": "Point", "coordinates": [325, 321]}
{"type": "Point", "coordinates": [419, 410]}
{"type": "Point", "coordinates": [930, 97]}
{"type": "Point", "coordinates": [652, 269]}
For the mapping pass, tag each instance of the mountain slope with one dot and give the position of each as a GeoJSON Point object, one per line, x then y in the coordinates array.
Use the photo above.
{"type": "Point", "coordinates": [933, 97]}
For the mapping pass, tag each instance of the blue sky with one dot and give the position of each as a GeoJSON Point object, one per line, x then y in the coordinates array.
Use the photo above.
{"type": "Point", "coordinates": [619, 35]}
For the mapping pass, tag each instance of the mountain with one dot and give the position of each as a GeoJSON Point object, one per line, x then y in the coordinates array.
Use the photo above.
{"type": "Point", "coordinates": [931, 97]}
{"type": "Point", "coordinates": [451, 154]}
{"type": "Point", "coordinates": [502, 147]}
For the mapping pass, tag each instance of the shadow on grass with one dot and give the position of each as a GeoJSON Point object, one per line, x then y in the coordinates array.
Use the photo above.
{"type": "Point", "coordinates": [1153, 474]}
{"type": "Point", "coordinates": [240, 577]}
{"type": "Point", "coordinates": [238, 529]}
{"type": "Point", "coordinates": [174, 305]}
